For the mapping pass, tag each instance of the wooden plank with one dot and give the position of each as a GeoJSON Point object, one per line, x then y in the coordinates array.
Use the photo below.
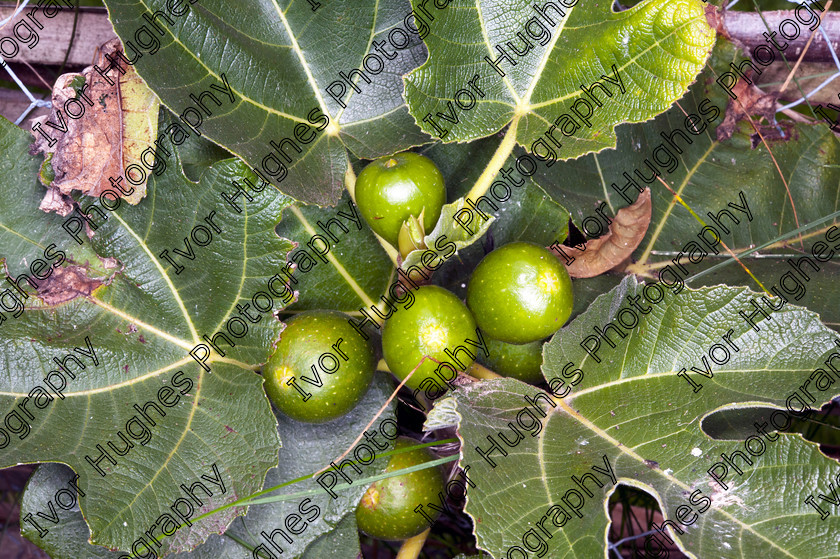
{"type": "Point", "coordinates": [92, 29]}
{"type": "Point", "coordinates": [13, 102]}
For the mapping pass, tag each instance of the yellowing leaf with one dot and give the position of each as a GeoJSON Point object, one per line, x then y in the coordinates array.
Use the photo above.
{"type": "Point", "coordinates": [97, 130]}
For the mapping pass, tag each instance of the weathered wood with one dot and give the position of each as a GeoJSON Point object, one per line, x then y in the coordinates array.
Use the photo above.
{"type": "Point", "coordinates": [92, 30]}
{"type": "Point", "coordinates": [746, 29]}
{"type": "Point", "coordinates": [12, 104]}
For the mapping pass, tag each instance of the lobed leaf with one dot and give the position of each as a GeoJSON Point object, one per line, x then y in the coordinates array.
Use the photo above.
{"type": "Point", "coordinates": [134, 335]}
{"type": "Point", "coordinates": [707, 176]}
{"type": "Point", "coordinates": [270, 55]}
{"type": "Point", "coordinates": [306, 449]}
{"type": "Point", "coordinates": [649, 55]}
{"type": "Point", "coordinates": [633, 411]}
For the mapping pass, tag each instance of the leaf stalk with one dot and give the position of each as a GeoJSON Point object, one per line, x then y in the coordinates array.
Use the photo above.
{"type": "Point", "coordinates": [494, 166]}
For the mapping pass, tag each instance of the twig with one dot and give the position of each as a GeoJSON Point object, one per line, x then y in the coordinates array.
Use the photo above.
{"type": "Point", "coordinates": [747, 28]}
{"type": "Point", "coordinates": [802, 55]}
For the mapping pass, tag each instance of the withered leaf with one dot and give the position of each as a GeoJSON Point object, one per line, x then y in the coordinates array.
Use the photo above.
{"type": "Point", "coordinates": [750, 101]}
{"type": "Point", "coordinates": [626, 232]}
{"type": "Point", "coordinates": [65, 284]}
{"type": "Point", "coordinates": [96, 129]}
{"type": "Point", "coordinates": [68, 282]}
{"type": "Point", "coordinates": [55, 201]}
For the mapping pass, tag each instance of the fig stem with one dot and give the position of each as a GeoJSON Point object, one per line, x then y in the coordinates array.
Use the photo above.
{"type": "Point", "coordinates": [350, 178]}
{"type": "Point", "coordinates": [482, 372]}
{"type": "Point", "coordinates": [495, 164]}
{"type": "Point", "coordinates": [412, 546]}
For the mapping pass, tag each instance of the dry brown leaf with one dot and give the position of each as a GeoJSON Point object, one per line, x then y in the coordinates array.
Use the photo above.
{"type": "Point", "coordinates": [55, 201]}
{"type": "Point", "coordinates": [95, 130]}
{"type": "Point", "coordinates": [65, 284]}
{"type": "Point", "coordinates": [71, 281]}
{"type": "Point", "coordinates": [750, 101]}
{"type": "Point", "coordinates": [626, 232]}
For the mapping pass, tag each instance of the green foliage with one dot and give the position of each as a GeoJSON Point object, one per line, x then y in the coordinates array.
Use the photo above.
{"type": "Point", "coordinates": [651, 53]}
{"type": "Point", "coordinates": [141, 323]}
{"type": "Point", "coordinates": [279, 58]}
{"type": "Point", "coordinates": [143, 312]}
{"type": "Point", "coordinates": [633, 409]}
{"type": "Point", "coordinates": [306, 448]}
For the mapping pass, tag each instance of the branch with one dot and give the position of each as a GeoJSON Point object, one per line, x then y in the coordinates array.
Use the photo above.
{"type": "Point", "coordinates": [746, 30]}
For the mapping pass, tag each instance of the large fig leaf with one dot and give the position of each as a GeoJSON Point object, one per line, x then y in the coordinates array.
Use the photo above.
{"type": "Point", "coordinates": [649, 55]}
{"type": "Point", "coordinates": [696, 170]}
{"type": "Point", "coordinates": [130, 339]}
{"type": "Point", "coordinates": [280, 76]}
{"type": "Point", "coordinates": [306, 449]}
{"type": "Point", "coordinates": [707, 176]}
{"type": "Point", "coordinates": [631, 413]}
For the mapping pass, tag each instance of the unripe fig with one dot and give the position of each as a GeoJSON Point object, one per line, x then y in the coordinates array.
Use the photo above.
{"type": "Point", "coordinates": [321, 368]}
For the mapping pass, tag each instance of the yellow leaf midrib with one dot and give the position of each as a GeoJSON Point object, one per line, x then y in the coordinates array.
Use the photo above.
{"type": "Point", "coordinates": [175, 293]}
{"type": "Point", "coordinates": [212, 73]}
{"type": "Point", "coordinates": [339, 267]}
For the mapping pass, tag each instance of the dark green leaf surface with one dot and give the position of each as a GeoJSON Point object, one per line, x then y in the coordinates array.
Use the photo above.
{"type": "Point", "coordinates": [341, 542]}
{"type": "Point", "coordinates": [306, 449]}
{"type": "Point", "coordinates": [354, 270]}
{"type": "Point", "coordinates": [67, 538]}
{"type": "Point", "coordinates": [141, 325]}
{"type": "Point", "coordinates": [272, 55]}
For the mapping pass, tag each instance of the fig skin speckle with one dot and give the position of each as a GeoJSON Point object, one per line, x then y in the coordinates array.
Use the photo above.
{"type": "Point", "coordinates": [435, 322]}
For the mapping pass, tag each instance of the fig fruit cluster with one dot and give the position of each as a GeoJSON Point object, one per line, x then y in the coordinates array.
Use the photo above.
{"type": "Point", "coordinates": [517, 296]}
